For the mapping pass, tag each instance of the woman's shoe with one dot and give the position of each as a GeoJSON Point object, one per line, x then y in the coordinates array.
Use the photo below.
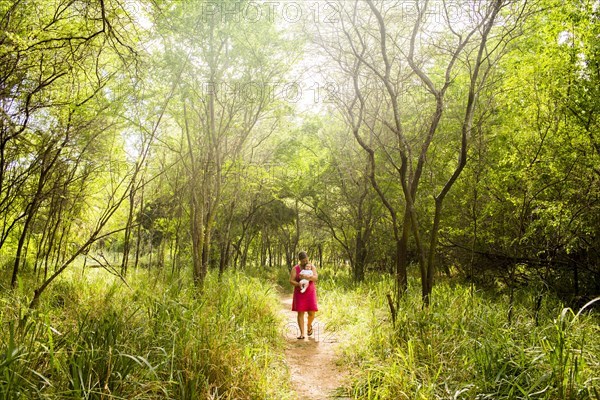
{"type": "Point", "coordinates": [310, 331]}
{"type": "Point", "coordinates": [300, 337]}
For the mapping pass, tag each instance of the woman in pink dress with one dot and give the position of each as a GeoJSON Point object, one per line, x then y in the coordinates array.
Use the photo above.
{"type": "Point", "coordinates": [304, 302]}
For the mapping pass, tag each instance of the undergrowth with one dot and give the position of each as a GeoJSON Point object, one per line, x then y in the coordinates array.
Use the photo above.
{"type": "Point", "coordinates": [463, 346]}
{"type": "Point", "coordinates": [93, 337]}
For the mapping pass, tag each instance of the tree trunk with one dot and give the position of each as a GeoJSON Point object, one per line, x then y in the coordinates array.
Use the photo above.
{"type": "Point", "coordinates": [138, 241]}
{"type": "Point", "coordinates": [128, 223]}
{"type": "Point", "coordinates": [360, 253]}
{"type": "Point", "coordinates": [263, 251]}
{"type": "Point", "coordinates": [270, 254]}
{"type": "Point", "coordinates": [32, 208]}
{"type": "Point", "coordinates": [402, 259]}
{"type": "Point", "coordinates": [196, 210]}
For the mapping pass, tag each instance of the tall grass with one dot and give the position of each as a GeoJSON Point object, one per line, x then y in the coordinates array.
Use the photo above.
{"type": "Point", "coordinates": [463, 346]}
{"type": "Point", "coordinates": [94, 338]}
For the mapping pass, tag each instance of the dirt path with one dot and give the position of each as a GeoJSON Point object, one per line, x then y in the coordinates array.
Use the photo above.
{"type": "Point", "coordinates": [312, 361]}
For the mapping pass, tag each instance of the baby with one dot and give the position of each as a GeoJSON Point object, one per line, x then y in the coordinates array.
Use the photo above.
{"type": "Point", "coordinates": [305, 273]}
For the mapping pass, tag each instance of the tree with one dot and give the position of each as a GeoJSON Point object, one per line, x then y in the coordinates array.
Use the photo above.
{"type": "Point", "coordinates": [224, 95]}
{"type": "Point", "coordinates": [534, 199]}
{"type": "Point", "coordinates": [388, 60]}
{"type": "Point", "coordinates": [51, 109]}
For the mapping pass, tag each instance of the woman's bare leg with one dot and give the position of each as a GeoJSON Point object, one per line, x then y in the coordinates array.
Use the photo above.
{"type": "Point", "coordinates": [311, 318]}
{"type": "Point", "coordinates": [301, 322]}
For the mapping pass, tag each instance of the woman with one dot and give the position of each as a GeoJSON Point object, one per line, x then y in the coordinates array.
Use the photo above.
{"type": "Point", "coordinates": [304, 302]}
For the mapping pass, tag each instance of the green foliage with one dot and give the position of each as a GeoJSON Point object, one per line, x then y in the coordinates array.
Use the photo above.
{"type": "Point", "coordinates": [462, 346]}
{"type": "Point", "coordinates": [95, 337]}
{"type": "Point", "coordinates": [233, 177]}
{"type": "Point", "coordinates": [528, 208]}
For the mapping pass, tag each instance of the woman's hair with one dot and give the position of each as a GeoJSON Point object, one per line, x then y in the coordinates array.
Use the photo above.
{"type": "Point", "coordinates": [302, 255]}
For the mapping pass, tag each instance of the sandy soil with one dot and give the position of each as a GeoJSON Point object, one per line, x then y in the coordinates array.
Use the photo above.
{"type": "Point", "coordinates": [312, 361]}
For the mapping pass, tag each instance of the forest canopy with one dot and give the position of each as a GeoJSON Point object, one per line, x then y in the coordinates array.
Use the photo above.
{"type": "Point", "coordinates": [456, 138]}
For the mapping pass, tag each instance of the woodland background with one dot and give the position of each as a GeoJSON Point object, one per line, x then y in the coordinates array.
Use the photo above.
{"type": "Point", "coordinates": [159, 146]}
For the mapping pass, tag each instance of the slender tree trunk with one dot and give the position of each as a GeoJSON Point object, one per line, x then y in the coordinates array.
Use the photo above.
{"type": "Point", "coordinates": [41, 255]}
{"type": "Point", "coordinates": [297, 234]}
{"type": "Point", "coordinates": [270, 253]}
{"type": "Point", "coordinates": [197, 228]}
{"type": "Point", "coordinates": [225, 242]}
{"type": "Point", "coordinates": [402, 259]}
{"type": "Point", "coordinates": [20, 245]}
{"type": "Point", "coordinates": [245, 252]}
{"type": "Point", "coordinates": [138, 241]}
{"type": "Point", "coordinates": [128, 226]}
{"type": "Point", "coordinates": [196, 210]}
{"type": "Point", "coordinates": [263, 251]}
{"type": "Point", "coordinates": [359, 258]}
{"type": "Point", "coordinates": [45, 169]}
{"type": "Point", "coordinates": [59, 250]}
{"type": "Point", "coordinates": [205, 255]}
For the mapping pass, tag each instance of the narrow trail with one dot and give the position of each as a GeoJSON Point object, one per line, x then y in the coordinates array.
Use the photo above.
{"type": "Point", "coordinates": [312, 361]}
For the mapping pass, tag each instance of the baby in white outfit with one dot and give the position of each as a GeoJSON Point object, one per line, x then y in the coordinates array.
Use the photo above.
{"type": "Point", "coordinates": [305, 273]}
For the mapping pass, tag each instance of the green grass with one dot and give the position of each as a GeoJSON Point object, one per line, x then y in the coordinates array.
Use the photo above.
{"type": "Point", "coordinates": [93, 337]}
{"type": "Point", "coordinates": [462, 347]}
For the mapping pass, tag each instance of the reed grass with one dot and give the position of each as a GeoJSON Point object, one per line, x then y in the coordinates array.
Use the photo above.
{"type": "Point", "coordinates": [94, 338]}
{"type": "Point", "coordinates": [463, 346]}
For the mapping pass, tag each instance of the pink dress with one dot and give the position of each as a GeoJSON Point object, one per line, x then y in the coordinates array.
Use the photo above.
{"type": "Point", "coordinates": [306, 301]}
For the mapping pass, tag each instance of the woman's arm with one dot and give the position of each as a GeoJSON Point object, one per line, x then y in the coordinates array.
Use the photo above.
{"type": "Point", "coordinates": [315, 276]}
{"type": "Point", "coordinates": [293, 278]}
